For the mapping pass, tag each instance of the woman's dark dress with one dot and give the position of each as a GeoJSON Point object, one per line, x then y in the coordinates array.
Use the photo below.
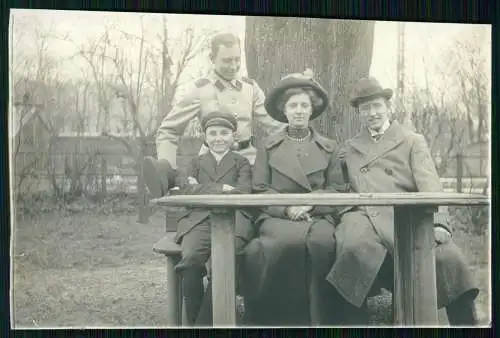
{"type": "Point", "coordinates": [288, 255]}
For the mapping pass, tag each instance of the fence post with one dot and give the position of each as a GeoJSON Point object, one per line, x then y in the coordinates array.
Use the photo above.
{"type": "Point", "coordinates": [141, 185]}
{"type": "Point", "coordinates": [74, 171]}
{"type": "Point", "coordinates": [104, 174]}
{"type": "Point", "coordinates": [460, 169]}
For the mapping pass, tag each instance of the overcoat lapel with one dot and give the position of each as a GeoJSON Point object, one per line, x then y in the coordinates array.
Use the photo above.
{"type": "Point", "coordinates": [284, 161]}
{"type": "Point", "coordinates": [363, 142]}
{"type": "Point", "coordinates": [316, 160]}
{"type": "Point", "coordinates": [207, 164]}
{"type": "Point", "coordinates": [372, 150]}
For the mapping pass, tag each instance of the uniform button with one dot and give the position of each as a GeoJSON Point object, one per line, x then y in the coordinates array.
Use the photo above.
{"type": "Point", "coordinates": [363, 170]}
{"type": "Point", "coordinates": [388, 171]}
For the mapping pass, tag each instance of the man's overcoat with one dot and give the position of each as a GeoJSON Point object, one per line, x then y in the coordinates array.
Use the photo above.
{"type": "Point", "coordinates": [399, 161]}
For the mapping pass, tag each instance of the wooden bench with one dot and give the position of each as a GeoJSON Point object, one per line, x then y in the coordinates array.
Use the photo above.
{"type": "Point", "coordinates": [414, 297]}
{"type": "Point", "coordinates": [175, 310]}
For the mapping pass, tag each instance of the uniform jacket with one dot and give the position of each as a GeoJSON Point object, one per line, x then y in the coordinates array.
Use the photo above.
{"type": "Point", "coordinates": [276, 171]}
{"type": "Point", "coordinates": [399, 161]}
{"type": "Point", "coordinates": [233, 169]}
{"type": "Point", "coordinates": [244, 97]}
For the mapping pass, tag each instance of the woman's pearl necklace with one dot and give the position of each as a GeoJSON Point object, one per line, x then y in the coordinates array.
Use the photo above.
{"type": "Point", "coordinates": [296, 134]}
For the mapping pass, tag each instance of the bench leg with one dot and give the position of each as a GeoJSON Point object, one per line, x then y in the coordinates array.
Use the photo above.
{"type": "Point", "coordinates": [182, 306]}
{"type": "Point", "coordinates": [174, 295]}
{"type": "Point", "coordinates": [223, 269]}
{"type": "Point", "coordinates": [415, 294]}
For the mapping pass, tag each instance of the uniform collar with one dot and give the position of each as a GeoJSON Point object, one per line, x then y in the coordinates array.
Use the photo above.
{"type": "Point", "coordinates": [221, 83]}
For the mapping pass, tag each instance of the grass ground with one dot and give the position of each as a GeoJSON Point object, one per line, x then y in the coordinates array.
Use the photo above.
{"type": "Point", "coordinates": [87, 270]}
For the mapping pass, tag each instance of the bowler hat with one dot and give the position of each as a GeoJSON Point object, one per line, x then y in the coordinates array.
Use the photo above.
{"type": "Point", "coordinates": [219, 117]}
{"type": "Point", "coordinates": [368, 88]}
{"type": "Point", "coordinates": [296, 80]}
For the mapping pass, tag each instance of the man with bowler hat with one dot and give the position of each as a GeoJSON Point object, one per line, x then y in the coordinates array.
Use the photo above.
{"type": "Point", "coordinates": [388, 157]}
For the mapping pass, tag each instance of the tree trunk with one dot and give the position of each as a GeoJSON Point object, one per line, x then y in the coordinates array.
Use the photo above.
{"type": "Point", "coordinates": [338, 51]}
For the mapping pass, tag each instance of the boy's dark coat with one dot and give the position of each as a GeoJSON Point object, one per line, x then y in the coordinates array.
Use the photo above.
{"type": "Point", "coordinates": [234, 170]}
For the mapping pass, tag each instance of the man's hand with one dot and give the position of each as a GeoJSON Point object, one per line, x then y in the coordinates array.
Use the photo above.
{"type": "Point", "coordinates": [441, 235]}
{"type": "Point", "coordinates": [227, 187]}
{"type": "Point", "coordinates": [192, 180]}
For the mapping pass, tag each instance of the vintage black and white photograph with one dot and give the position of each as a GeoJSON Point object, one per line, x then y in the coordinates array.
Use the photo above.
{"type": "Point", "coordinates": [181, 170]}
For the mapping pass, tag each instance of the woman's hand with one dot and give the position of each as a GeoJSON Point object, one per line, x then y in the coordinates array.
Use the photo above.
{"type": "Point", "coordinates": [297, 213]}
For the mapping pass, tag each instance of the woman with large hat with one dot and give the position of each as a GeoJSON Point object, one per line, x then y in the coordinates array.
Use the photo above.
{"type": "Point", "coordinates": [286, 264]}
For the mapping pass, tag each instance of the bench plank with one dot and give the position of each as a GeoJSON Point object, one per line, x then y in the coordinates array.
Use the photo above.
{"type": "Point", "coordinates": [256, 200]}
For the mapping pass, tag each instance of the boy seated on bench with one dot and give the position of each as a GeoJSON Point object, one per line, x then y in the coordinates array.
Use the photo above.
{"type": "Point", "coordinates": [218, 171]}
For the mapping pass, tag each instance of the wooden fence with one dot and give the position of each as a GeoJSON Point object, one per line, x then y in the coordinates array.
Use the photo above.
{"type": "Point", "coordinates": [107, 165]}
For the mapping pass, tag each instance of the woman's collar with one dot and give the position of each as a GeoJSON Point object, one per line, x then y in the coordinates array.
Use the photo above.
{"type": "Point", "coordinates": [324, 142]}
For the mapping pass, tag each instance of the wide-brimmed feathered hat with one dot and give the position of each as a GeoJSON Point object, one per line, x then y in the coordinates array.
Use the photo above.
{"type": "Point", "coordinates": [296, 80]}
{"type": "Point", "coordinates": [368, 88]}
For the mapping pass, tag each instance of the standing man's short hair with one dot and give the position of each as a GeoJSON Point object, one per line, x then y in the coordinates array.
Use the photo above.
{"type": "Point", "coordinates": [226, 39]}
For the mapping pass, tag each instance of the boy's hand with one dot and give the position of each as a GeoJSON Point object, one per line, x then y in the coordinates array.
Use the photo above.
{"type": "Point", "coordinates": [227, 187]}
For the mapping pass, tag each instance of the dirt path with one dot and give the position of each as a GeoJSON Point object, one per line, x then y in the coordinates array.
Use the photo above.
{"type": "Point", "coordinates": [121, 296]}
{"type": "Point", "coordinates": [95, 271]}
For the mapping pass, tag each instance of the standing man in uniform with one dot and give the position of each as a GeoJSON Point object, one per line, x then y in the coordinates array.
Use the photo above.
{"type": "Point", "coordinates": [224, 85]}
{"type": "Point", "coordinates": [240, 95]}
